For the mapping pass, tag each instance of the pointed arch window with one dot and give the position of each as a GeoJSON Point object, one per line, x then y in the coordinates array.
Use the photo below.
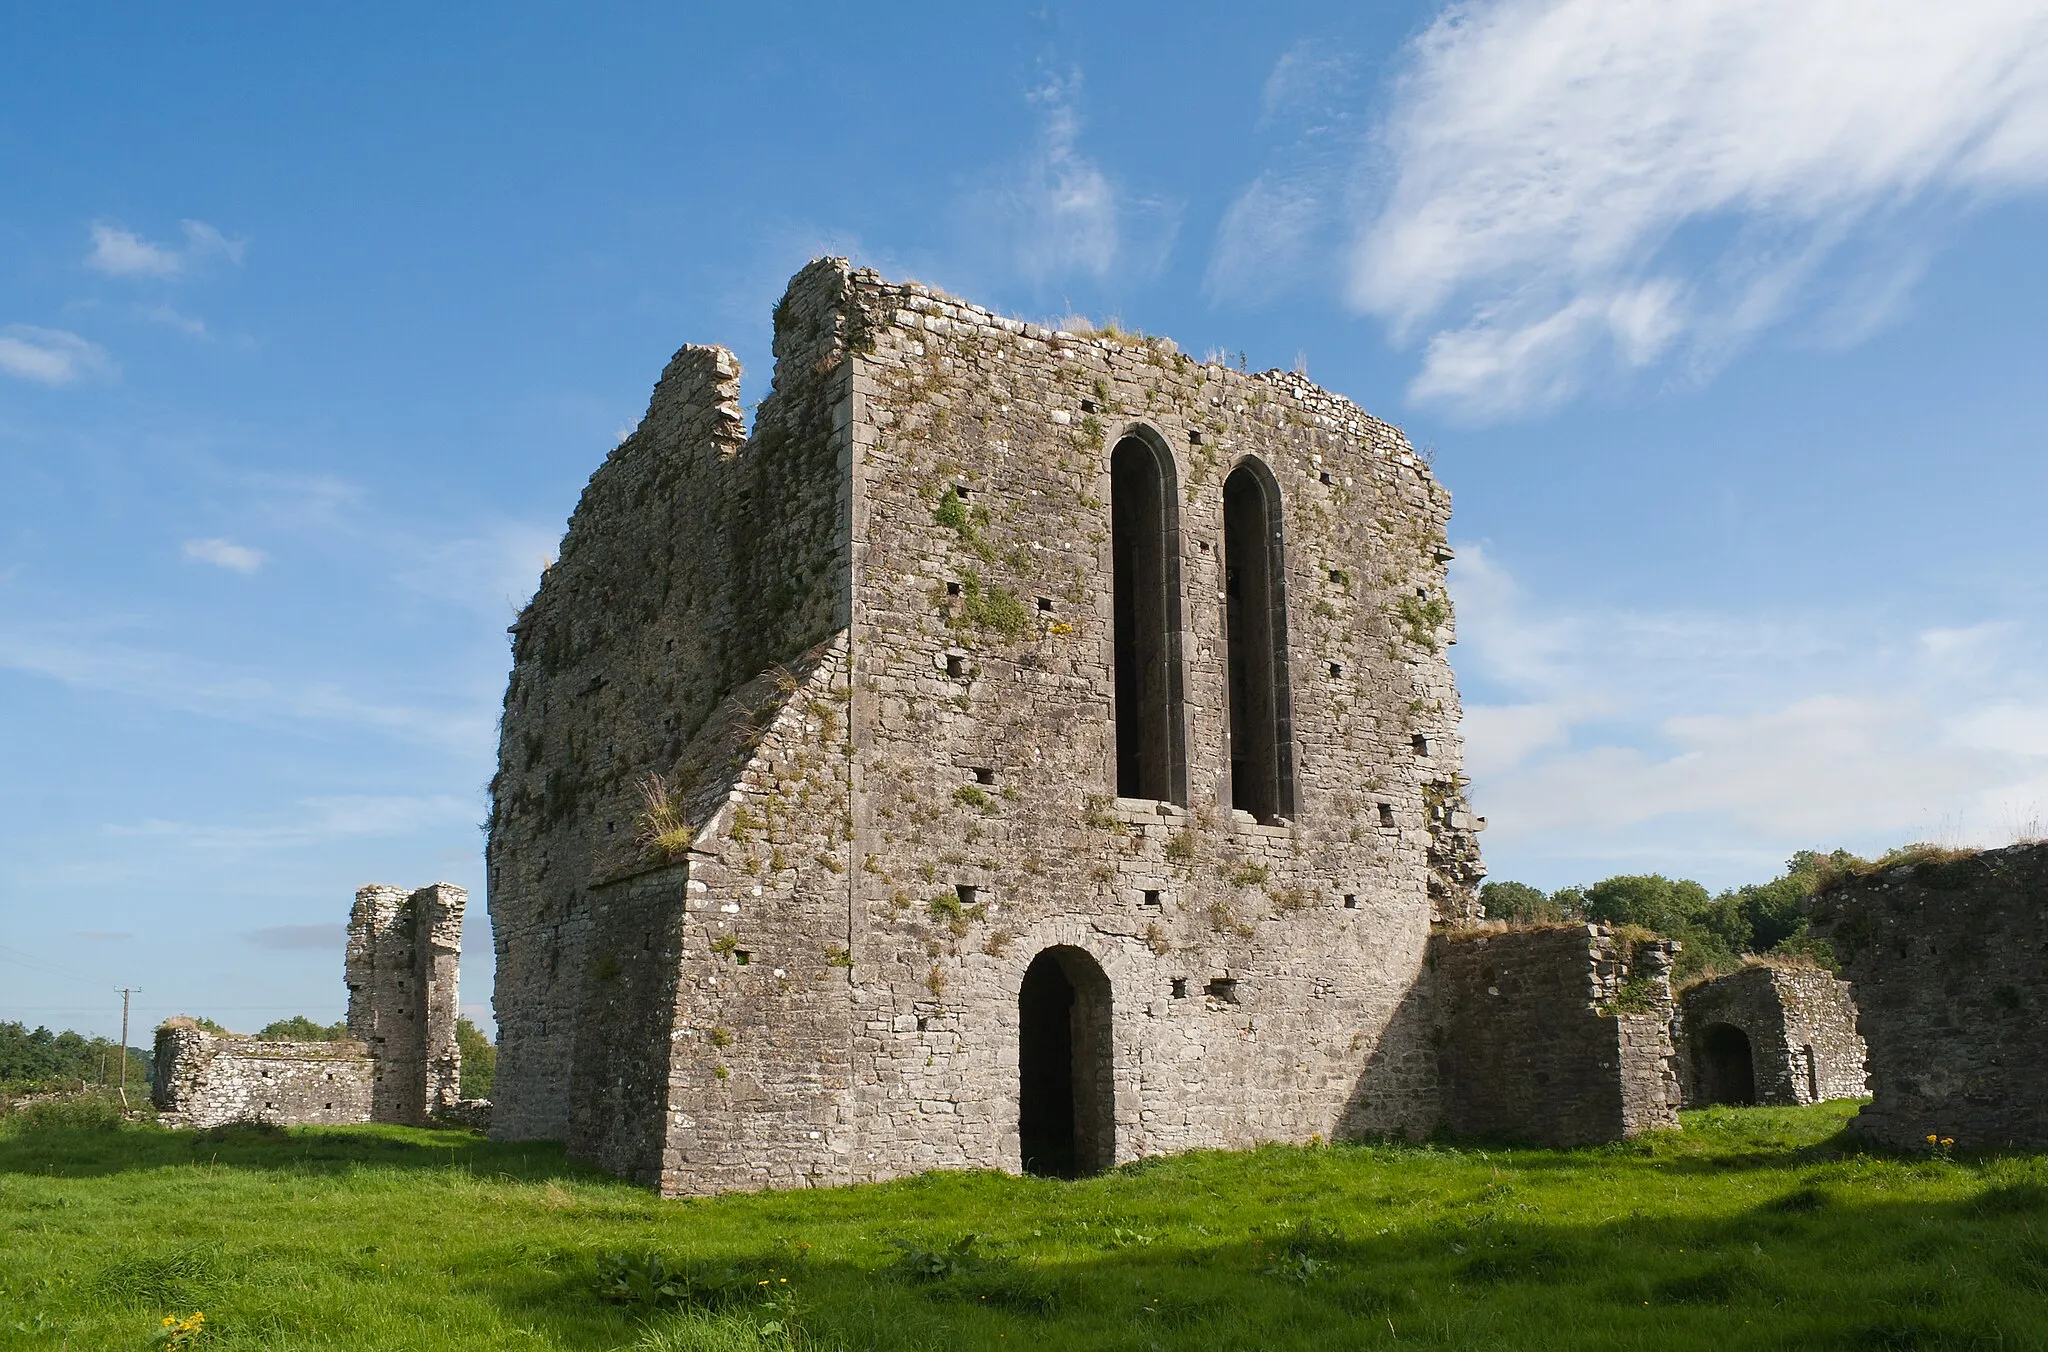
{"type": "Point", "coordinates": [1255, 631]}
{"type": "Point", "coordinates": [1144, 542]}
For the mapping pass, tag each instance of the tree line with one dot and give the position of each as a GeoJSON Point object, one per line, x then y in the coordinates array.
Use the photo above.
{"type": "Point", "coordinates": [37, 1058]}
{"type": "Point", "coordinates": [1715, 930]}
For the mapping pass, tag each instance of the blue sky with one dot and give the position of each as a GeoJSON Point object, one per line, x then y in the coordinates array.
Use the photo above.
{"type": "Point", "coordinates": [1724, 318]}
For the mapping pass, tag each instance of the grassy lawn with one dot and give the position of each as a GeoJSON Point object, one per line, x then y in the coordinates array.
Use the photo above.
{"type": "Point", "coordinates": [1750, 1228]}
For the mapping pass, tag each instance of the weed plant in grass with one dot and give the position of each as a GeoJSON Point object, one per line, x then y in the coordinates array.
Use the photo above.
{"type": "Point", "coordinates": [1751, 1227]}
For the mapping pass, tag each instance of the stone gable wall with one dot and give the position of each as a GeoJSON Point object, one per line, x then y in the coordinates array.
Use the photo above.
{"type": "Point", "coordinates": [202, 1079]}
{"type": "Point", "coordinates": [1533, 1046]}
{"type": "Point", "coordinates": [697, 559]}
{"type": "Point", "coordinates": [892, 817]}
{"type": "Point", "coordinates": [1949, 963]}
{"type": "Point", "coordinates": [1801, 1025]}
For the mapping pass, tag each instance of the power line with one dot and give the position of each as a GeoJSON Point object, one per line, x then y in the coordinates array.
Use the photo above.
{"type": "Point", "coordinates": [34, 963]}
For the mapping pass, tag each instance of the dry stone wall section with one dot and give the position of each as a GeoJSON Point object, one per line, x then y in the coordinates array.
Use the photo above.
{"type": "Point", "coordinates": [400, 1062]}
{"type": "Point", "coordinates": [1797, 1043]}
{"type": "Point", "coordinates": [1557, 1036]}
{"type": "Point", "coordinates": [205, 1079]}
{"type": "Point", "coordinates": [403, 953]}
{"type": "Point", "coordinates": [1948, 959]}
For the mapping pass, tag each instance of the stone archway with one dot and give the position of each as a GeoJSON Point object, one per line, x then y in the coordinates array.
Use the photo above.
{"type": "Point", "coordinates": [1724, 1066]}
{"type": "Point", "coordinates": [1066, 1104]}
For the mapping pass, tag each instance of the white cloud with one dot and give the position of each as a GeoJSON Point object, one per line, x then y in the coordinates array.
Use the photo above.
{"type": "Point", "coordinates": [317, 821]}
{"type": "Point", "coordinates": [1603, 740]}
{"type": "Point", "coordinates": [81, 657]}
{"type": "Point", "coordinates": [1556, 170]}
{"type": "Point", "coordinates": [494, 572]}
{"type": "Point", "coordinates": [225, 554]}
{"type": "Point", "coordinates": [123, 253]}
{"type": "Point", "coordinates": [49, 356]}
{"type": "Point", "coordinates": [1281, 231]}
{"type": "Point", "coordinates": [1059, 214]}
{"type": "Point", "coordinates": [190, 325]}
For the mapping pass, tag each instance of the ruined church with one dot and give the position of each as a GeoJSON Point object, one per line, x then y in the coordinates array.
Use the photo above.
{"type": "Point", "coordinates": [1019, 749]}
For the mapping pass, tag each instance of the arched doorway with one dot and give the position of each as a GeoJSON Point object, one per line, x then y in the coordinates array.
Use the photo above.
{"type": "Point", "coordinates": [1144, 529]}
{"type": "Point", "coordinates": [1722, 1065]}
{"type": "Point", "coordinates": [1066, 1116]}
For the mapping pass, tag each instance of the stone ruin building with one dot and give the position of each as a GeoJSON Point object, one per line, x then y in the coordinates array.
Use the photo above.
{"type": "Point", "coordinates": [1556, 1036]}
{"type": "Point", "coordinates": [399, 1063]}
{"type": "Point", "coordinates": [1773, 1033]}
{"type": "Point", "coordinates": [1949, 959]}
{"type": "Point", "coordinates": [1020, 749]}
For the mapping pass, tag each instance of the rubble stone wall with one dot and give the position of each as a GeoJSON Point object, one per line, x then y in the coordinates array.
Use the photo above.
{"type": "Point", "coordinates": [1555, 1036]}
{"type": "Point", "coordinates": [1801, 1026]}
{"type": "Point", "coordinates": [891, 736]}
{"type": "Point", "coordinates": [1948, 959]}
{"type": "Point", "coordinates": [404, 949]}
{"type": "Point", "coordinates": [204, 1079]}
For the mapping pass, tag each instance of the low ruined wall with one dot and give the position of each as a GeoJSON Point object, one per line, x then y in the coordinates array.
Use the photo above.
{"type": "Point", "coordinates": [204, 1079]}
{"type": "Point", "coordinates": [1949, 960]}
{"type": "Point", "coordinates": [1801, 1026]}
{"type": "Point", "coordinates": [1554, 1036]}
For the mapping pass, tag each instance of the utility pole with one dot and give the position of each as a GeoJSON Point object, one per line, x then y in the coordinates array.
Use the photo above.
{"type": "Point", "coordinates": [126, 991]}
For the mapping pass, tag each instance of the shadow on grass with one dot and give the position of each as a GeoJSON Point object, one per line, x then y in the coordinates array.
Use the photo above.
{"type": "Point", "coordinates": [70, 1152]}
{"type": "Point", "coordinates": [1811, 1268]}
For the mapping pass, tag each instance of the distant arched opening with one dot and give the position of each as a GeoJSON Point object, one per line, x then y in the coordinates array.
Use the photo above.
{"type": "Point", "coordinates": [1255, 630]}
{"type": "Point", "coordinates": [1144, 543]}
{"type": "Point", "coordinates": [1723, 1066]}
{"type": "Point", "coordinates": [1066, 1115]}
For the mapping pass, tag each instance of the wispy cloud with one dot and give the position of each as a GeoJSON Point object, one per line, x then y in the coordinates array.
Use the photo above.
{"type": "Point", "coordinates": [123, 253]}
{"type": "Point", "coordinates": [85, 657]}
{"type": "Point", "coordinates": [190, 325]}
{"type": "Point", "coordinates": [50, 356]}
{"type": "Point", "coordinates": [225, 554]}
{"type": "Point", "coordinates": [315, 821]}
{"type": "Point", "coordinates": [1718, 744]}
{"type": "Point", "coordinates": [1060, 214]}
{"type": "Point", "coordinates": [294, 938]}
{"type": "Point", "coordinates": [1284, 230]}
{"type": "Point", "coordinates": [1569, 187]}
{"type": "Point", "coordinates": [494, 571]}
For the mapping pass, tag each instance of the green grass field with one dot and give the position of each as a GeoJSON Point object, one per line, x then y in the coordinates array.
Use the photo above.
{"type": "Point", "coordinates": [1750, 1228]}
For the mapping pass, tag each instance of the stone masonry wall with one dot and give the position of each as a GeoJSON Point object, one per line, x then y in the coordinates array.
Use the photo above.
{"type": "Point", "coordinates": [203, 1079]}
{"type": "Point", "coordinates": [699, 559]}
{"type": "Point", "coordinates": [1949, 962]}
{"type": "Point", "coordinates": [1555, 1036]}
{"type": "Point", "coordinates": [901, 788]}
{"type": "Point", "coordinates": [1801, 1026]}
{"type": "Point", "coordinates": [403, 953]}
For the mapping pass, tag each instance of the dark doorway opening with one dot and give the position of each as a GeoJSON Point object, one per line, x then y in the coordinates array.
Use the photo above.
{"type": "Point", "coordinates": [1144, 531]}
{"type": "Point", "coordinates": [1723, 1066]}
{"type": "Point", "coordinates": [1255, 630]}
{"type": "Point", "coordinates": [1067, 1090]}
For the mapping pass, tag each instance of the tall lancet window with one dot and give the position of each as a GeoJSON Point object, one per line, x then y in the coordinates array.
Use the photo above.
{"type": "Point", "coordinates": [1144, 542]}
{"type": "Point", "coordinates": [1255, 625]}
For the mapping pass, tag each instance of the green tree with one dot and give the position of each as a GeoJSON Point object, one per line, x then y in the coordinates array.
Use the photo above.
{"type": "Point", "coordinates": [40, 1056]}
{"type": "Point", "coordinates": [479, 1059]}
{"type": "Point", "coordinates": [299, 1028]}
{"type": "Point", "coordinates": [1521, 904]}
{"type": "Point", "coordinates": [1711, 931]}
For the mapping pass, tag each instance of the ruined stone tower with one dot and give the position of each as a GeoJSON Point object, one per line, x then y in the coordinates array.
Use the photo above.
{"type": "Point", "coordinates": [1026, 749]}
{"type": "Point", "coordinates": [403, 952]}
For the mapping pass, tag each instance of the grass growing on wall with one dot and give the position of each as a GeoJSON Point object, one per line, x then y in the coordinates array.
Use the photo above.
{"type": "Point", "coordinates": [1751, 1228]}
